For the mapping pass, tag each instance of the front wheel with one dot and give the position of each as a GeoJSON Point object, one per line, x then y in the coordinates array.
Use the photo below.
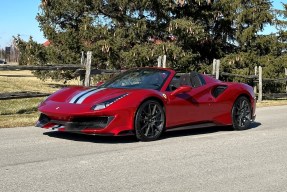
{"type": "Point", "coordinates": [241, 113]}
{"type": "Point", "coordinates": [149, 121]}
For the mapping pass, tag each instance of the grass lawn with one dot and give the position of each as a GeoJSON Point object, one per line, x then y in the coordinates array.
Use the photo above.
{"type": "Point", "coordinates": [267, 103]}
{"type": "Point", "coordinates": [14, 81]}
{"type": "Point", "coordinates": [23, 112]}
{"type": "Point", "coordinates": [19, 112]}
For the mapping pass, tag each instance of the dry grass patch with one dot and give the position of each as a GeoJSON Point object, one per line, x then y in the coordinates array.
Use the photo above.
{"type": "Point", "coordinates": [9, 121]}
{"type": "Point", "coordinates": [14, 81]}
{"type": "Point", "coordinates": [19, 106]}
{"type": "Point", "coordinates": [267, 103]}
{"type": "Point", "coordinates": [19, 112]}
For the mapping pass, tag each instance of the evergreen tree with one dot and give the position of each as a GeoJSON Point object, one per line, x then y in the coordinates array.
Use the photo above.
{"type": "Point", "coordinates": [31, 52]}
{"type": "Point", "coordinates": [118, 32]}
{"type": "Point", "coordinates": [130, 33]}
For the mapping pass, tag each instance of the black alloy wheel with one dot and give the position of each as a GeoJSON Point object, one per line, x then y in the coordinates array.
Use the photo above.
{"type": "Point", "coordinates": [241, 113]}
{"type": "Point", "coordinates": [149, 121]}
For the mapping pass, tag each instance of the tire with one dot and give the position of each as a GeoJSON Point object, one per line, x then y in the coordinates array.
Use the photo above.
{"type": "Point", "coordinates": [149, 121]}
{"type": "Point", "coordinates": [241, 114]}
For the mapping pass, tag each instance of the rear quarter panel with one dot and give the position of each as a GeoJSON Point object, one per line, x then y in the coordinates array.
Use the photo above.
{"type": "Point", "coordinates": [223, 103]}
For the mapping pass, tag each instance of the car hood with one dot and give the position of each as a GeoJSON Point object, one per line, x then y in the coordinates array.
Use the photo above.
{"type": "Point", "coordinates": [87, 95]}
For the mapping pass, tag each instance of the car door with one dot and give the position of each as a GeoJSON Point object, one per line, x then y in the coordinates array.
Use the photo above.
{"type": "Point", "coordinates": [189, 107]}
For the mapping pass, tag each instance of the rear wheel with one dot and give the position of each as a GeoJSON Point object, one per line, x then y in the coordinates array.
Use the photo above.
{"type": "Point", "coordinates": [149, 121]}
{"type": "Point", "coordinates": [241, 113]}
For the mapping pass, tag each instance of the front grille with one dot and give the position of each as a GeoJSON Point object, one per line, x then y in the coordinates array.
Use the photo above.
{"type": "Point", "coordinates": [81, 123]}
{"type": "Point", "coordinates": [78, 123]}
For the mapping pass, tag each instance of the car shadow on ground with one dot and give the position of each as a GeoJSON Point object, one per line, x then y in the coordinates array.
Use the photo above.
{"type": "Point", "coordinates": [132, 139]}
{"type": "Point", "coordinates": [254, 125]}
{"type": "Point", "coordinates": [91, 138]}
{"type": "Point", "coordinates": [203, 131]}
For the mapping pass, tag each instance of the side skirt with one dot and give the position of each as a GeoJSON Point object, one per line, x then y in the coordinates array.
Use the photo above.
{"type": "Point", "coordinates": [195, 126]}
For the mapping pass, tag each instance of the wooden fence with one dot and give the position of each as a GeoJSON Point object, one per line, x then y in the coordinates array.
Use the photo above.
{"type": "Point", "coordinates": [85, 72]}
{"type": "Point", "coordinates": [257, 79]}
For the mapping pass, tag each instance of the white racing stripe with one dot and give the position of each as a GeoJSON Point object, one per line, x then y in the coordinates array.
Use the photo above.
{"type": "Point", "coordinates": [82, 94]}
{"type": "Point", "coordinates": [80, 100]}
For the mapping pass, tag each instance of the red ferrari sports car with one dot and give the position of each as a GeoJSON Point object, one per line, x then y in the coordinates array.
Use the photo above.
{"type": "Point", "coordinates": [148, 101]}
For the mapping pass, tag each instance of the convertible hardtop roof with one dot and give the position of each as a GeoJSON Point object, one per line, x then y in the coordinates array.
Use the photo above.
{"type": "Point", "coordinates": [193, 75]}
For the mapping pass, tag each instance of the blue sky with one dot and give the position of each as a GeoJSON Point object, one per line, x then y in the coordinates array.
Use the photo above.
{"type": "Point", "coordinates": [18, 17]}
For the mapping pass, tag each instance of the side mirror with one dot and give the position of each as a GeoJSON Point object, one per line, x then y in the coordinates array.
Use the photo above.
{"type": "Point", "coordinates": [181, 89]}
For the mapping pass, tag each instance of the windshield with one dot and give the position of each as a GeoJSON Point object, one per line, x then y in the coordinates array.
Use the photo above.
{"type": "Point", "coordinates": [143, 78]}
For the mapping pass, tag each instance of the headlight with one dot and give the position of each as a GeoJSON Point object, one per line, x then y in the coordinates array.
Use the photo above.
{"type": "Point", "coordinates": [107, 103]}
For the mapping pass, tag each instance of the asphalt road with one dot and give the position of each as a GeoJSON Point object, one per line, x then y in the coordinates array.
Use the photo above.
{"type": "Point", "coordinates": [212, 159]}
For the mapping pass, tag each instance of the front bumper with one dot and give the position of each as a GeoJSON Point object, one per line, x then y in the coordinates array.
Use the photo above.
{"type": "Point", "coordinates": [111, 122]}
{"type": "Point", "coordinates": [76, 125]}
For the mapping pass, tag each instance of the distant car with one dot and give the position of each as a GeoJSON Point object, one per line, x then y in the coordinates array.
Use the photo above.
{"type": "Point", "coordinates": [2, 61]}
{"type": "Point", "coordinates": [146, 102]}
